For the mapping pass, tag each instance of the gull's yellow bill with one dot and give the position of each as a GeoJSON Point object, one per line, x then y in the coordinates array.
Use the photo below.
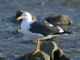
{"type": "Point", "coordinates": [19, 18]}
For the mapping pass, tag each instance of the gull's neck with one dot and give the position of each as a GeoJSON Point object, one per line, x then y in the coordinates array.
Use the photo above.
{"type": "Point", "coordinates": [25, 25]}
{"type": "Point", "coordinates": [29, 20]}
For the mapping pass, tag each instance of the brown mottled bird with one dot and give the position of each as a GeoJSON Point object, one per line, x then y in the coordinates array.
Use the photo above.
{"type": "Point", "coordinates": [59, 20]}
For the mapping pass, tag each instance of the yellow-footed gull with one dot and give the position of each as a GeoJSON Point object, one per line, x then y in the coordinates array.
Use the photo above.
{"type": "Point", "coordinates": [37, 27]}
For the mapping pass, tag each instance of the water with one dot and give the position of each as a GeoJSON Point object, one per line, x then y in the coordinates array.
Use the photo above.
{"type": "Point", "coordinates": [13, 45]}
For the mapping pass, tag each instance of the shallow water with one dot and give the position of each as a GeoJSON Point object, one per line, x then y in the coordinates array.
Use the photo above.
{"type": "Point", "coordinates": [13, 45]}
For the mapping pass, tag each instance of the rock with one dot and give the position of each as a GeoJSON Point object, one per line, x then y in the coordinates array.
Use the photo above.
{"type": "Point", "coordinates": [60, 55]}
{"type": "Point", "coordinates": [53, 51]}
{"type": "Point", "coordinates": [41, 56]}
{"type": "Point", "coordinates": [38, 56]}
{"type": "Point", "coordinates": [2, 57]}
{"type": "Point", "coordinates": [49, 51]}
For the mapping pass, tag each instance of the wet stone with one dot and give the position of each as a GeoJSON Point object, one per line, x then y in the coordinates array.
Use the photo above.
{"type": "Point", "coordinates": [49, 51]}
{"type": "Point", "coordinates": [53, 51]}
{"type": "Point", "coordinates": [38, 56]}
{"type": "Point", "coordinates": [2, 56]}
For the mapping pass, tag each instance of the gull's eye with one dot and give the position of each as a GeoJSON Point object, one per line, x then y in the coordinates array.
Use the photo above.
{"type": "Point", "coordinates": [24, 14]}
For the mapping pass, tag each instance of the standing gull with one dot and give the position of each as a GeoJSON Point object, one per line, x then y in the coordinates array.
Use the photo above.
{"type": "Point", "coordinates": [34, 26]}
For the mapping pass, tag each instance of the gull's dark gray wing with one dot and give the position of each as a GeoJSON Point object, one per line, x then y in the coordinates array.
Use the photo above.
{"type": "Point", "coordinates": [43, 28]}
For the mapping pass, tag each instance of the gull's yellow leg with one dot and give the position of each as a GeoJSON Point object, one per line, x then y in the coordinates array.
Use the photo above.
{"type": "Point", "coordinates": [37, 47]}
{"type": "Point", "coordinates": [18, 30]}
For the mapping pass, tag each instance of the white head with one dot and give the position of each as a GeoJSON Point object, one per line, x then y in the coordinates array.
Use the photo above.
{"type": "Point", "coordinates": [26, 16]}
{"type": "Point", "coordinates": [26, 21]}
